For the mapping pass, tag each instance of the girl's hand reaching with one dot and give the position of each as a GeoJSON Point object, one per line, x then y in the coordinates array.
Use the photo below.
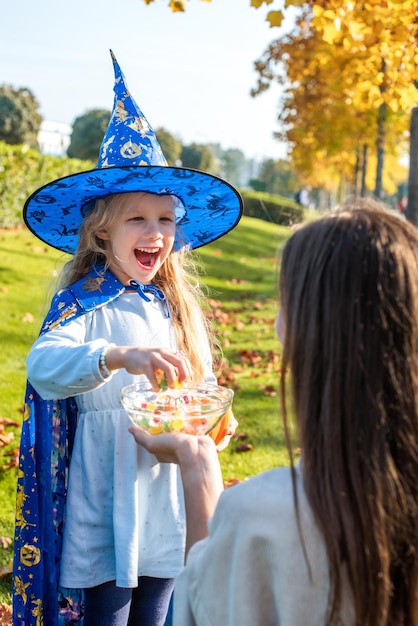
{"type": "Point", "coordinates": [148, 361]}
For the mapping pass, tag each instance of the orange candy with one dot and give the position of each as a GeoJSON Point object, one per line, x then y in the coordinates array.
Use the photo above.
{"type": "Point", "coordinates": [195, 426]}
{"type": "Point", "coordinates": [219, 432]}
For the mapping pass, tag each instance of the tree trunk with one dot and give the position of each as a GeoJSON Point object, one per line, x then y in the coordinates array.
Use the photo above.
{"type": "Point", "coordinates": [412, 207]}
{"type": "Point", "coordinates": [356, 173]}
{"type": "Point", "coordinates": [380, 144]}
{"type": "Point", "coordinates": [363, 191]}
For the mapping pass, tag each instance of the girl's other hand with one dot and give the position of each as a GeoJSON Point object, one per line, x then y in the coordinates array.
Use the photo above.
{"type": "Point", "coordinates": [174, 447]}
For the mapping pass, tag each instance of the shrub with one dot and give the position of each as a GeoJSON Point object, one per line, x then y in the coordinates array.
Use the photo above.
{"type": "Point", "coordinates": [22, 170]}
{"type": "Point", "coordinates": [271, 208]}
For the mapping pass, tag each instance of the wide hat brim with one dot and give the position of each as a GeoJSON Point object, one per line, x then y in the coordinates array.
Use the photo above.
{"type": "Point", "coordinates": [212, 207]}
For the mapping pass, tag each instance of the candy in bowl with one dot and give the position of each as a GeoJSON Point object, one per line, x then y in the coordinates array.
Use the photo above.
{"type": "Point", "coordinates": [195, 409]}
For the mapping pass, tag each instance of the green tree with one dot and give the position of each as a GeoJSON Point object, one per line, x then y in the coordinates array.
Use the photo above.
{"type": "Point", "coordinates": [170, 146]}
{"type": "Point", "coordinates": [20, 119]}
{"type": "Point", "coordinates": [234, 166]}
{"type": "Point", "coordinates": [199, 157]}
{"type": "Point", "coordinates": [276, 177]}
{"type": "Point", "coordinates": [87, 136]}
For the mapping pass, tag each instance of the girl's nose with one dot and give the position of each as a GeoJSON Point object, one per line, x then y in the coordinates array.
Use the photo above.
{"type": "Point", "coordinates": [153, 230]}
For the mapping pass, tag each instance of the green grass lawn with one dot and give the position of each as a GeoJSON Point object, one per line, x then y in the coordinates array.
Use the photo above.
{"type": "Point", "coordinates": [240, 272]}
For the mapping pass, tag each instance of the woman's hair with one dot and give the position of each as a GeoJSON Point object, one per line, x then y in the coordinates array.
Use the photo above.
{"type": "Point", "coordinates": [349, 294]}
{"type": "Point", "coordinates": [177, 278]}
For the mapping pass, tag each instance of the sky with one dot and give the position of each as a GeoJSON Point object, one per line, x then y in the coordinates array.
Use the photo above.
{"type": "Point", "coordinates": [190, 73]}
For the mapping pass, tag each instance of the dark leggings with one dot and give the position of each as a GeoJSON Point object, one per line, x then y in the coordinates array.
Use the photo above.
{"type": "Point", "coordinates": [145, 605]}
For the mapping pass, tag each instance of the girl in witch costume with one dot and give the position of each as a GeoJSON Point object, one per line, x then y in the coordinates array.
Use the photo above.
{"type": "Point", "coordinates": [100, 524]}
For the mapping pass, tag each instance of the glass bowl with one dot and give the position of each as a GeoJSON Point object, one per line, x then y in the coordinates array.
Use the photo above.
{"type": "Point", "coordinates": [195, 409]}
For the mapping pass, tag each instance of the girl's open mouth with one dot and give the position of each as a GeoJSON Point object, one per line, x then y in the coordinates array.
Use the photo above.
{"type": "Point", "coordinates": [147, 258]}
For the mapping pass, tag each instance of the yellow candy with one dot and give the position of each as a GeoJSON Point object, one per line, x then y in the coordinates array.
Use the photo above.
{"type": "Point", "coordinates": [156, 430]}
{"type": "Point", "coordinates": [177, 424]}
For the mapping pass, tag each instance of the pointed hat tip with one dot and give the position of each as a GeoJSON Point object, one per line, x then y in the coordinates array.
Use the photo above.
{"type": "Point", "coordinates": [116, 67]}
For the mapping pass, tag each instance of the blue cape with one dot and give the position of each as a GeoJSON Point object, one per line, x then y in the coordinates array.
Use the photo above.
{"type": "Point", "coordinates": [45, 450]}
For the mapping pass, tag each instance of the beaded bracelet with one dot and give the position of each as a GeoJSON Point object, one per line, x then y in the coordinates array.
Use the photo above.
{"type": "Point", "coordinates": [105, 370]}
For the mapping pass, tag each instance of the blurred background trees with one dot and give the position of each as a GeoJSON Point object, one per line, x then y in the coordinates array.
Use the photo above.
{"type": "Point", "coordinates": [20, 119]}
{"type": "Point", "coordinates": [198, 157]}
{"type": "Point", "coordinates": [347, 72]}
{"type": "Point", "coordinates": [170, 145]}
{"type": "Point", "coordinates": [348, 109]}
{"type": "Point", "coordinates": [88, 133]}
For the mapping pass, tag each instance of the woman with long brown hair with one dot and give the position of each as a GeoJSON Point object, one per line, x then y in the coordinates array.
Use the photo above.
{"type": "Point", "coordinates": [333, 539]}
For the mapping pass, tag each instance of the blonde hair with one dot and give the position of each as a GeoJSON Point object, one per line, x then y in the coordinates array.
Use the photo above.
{"type": "Point", "coordinates": [177, 277]}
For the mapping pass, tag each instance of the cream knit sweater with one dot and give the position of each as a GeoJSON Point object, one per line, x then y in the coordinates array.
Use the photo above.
{"type": "Point", "coordinates": [251, 570]}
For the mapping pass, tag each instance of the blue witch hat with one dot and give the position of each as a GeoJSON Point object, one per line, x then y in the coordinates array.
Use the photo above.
{"type": "Point", "coordinates": [131, 159]}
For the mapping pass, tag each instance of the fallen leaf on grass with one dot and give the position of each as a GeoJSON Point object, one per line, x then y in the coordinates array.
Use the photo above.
{"type": "Point", "coordinates": [5, 570]}
{"type": "Point", "coordinates": [5, 614]}
{"type": "Point", "coordinates": [5, 438]}
{"type": "Point", "coordinates": [251, 357]}
{"type": "Point", "coordinates": [238, 368]}
{"type": "Point", "coordinates": [269, 390]}
{"type": "Point", "coordinates": [9, 422]}
{"type": "Point", "coordinates": [227, 379]}
{"type": "Point", "coordinates": [14, 461]}
{"type": "Point", "coordinates": [244, 447]}
{"type": "Point", "coordinates": [39, 250]}
{"type": "Point", "coordinates": [240, 436]}
{"type": "Point", "coordinates": [5, 542]}
{"type": "Point", "coordinates": [229, 482]}
{"type": "Point", "coordinates": [237, 281]}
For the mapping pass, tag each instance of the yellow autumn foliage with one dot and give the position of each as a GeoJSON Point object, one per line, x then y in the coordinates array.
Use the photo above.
{"type": "Point", "coordinates": [348, 71]}
{"type": "Point", "coordinates": [275, 18]}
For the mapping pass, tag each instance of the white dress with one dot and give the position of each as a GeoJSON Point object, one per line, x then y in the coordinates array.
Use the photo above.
{"type": "Point", "coordinates": [125, 511]}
